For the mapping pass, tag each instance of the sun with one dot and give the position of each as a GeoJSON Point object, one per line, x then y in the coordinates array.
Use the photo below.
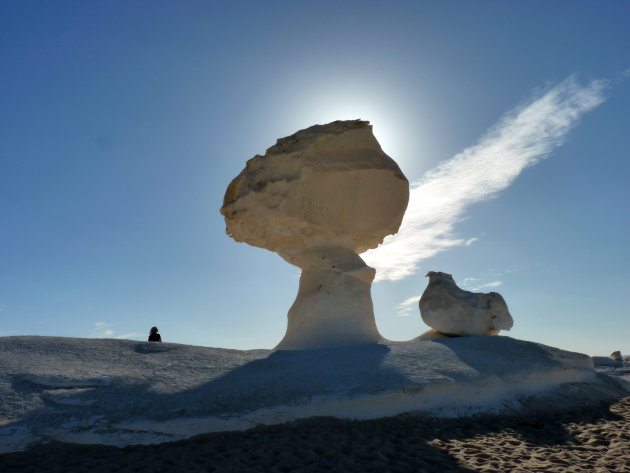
{"type": "Point", "coordinates": [381, 106]}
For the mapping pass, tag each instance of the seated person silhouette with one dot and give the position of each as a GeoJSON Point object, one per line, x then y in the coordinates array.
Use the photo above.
{"type": "Point", "coordinates": [154, 336]}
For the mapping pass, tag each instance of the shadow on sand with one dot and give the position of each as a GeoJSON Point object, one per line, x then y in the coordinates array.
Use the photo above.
{"type": "Point", "coordinates": [405, 443]}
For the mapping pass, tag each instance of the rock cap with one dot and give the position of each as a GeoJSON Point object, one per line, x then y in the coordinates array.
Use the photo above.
{"type": "Point", "coordinates": [326, 185]}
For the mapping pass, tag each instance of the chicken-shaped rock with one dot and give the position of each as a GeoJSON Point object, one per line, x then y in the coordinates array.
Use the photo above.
{"type": "Point", "coordinates": [451, 311]}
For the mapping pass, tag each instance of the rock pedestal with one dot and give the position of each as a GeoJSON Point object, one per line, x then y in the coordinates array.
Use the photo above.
{"type": "Point", "coordinates": [319, 198]}
{"type": "Point", "coordinates": [334, 305]}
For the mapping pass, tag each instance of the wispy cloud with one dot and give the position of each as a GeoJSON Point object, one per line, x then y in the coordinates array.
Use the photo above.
{"type": "Point", "coordinates": [404, 308]}
{"type": "Point", "coordinates": [103, 330]}
{"type": "Point", "coordinates": [128, 335]}
{"type": "Point", "coordinates": [474, 284]}
{"type": "Point", "coordinates": [470, 241]}
{"type": "Point", "coordinates": [520, 139]}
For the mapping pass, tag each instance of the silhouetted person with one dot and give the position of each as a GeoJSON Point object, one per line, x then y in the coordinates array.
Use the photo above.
{"type": "Point", "coordinates": [154, 336]}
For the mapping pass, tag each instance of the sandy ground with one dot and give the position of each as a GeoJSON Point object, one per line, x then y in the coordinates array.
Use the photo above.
{"type": "Point", "coordinates": [594, 440]}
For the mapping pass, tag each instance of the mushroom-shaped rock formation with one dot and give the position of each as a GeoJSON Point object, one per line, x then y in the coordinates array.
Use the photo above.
{"type": "Point", "coordinates": [318, 198]}
{"type": "Point", "coordinates": [449, 310]}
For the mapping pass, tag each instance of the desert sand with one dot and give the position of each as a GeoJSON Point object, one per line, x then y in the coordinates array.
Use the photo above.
{"type": "Point", "coordinates": [594, 440]}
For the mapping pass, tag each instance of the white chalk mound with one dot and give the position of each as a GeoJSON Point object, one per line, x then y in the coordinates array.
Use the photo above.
{"type": "Point", "coordinates": [453, 311]}
{"type": "Point", "coordinates": [319, 198]}
{"type": "Point", "coordinates": [122, 392]}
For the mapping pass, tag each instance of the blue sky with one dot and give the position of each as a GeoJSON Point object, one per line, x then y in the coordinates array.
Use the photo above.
{"type": "Point", "coordinates": [124, 121]}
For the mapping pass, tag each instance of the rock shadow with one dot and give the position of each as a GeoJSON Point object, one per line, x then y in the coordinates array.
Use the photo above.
{"type": "Point", "coordinates": [291, 377]}
{"type": "Point", "coordinates": [404, 443]}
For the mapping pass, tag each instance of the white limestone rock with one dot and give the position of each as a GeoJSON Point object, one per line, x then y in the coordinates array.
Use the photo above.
{"type": "Point", "coordinates": [319, 198]}
{"type": "Point", "coordinates": [606, 361]}
{"type": "Point", "coordinates": [452, 311]}
{"type": "Point", "coordinates": [242, 389]}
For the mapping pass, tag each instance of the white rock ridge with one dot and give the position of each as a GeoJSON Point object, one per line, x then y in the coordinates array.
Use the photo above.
{"type": "Point", "coordinates": [124, 392]}
{"type": "Point", "coordinates": [452, 311]}
{"type": "Point", "coordinates": [319, 198]}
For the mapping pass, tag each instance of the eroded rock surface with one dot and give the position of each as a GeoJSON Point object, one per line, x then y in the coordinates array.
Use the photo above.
{"type": "Point", "coordinates": [108, 384]}
{"type": "Point", "coordinates": [452, 311]}
{"type": "Point", "coordinates": [319, 198]}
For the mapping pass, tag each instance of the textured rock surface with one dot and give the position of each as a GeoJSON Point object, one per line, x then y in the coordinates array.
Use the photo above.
{"type": "Point", "coordinates": [122, 392]}
{"type": "Point", "coordinates": [318, 198]}
{"type": "Point", "coordinates": [602, 361]}
{"type": "Point", "coordinates": [453, 311]}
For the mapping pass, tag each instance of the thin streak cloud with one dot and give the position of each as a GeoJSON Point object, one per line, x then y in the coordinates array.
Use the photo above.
{"type": "Point", "coordinates": [103, 330]}
{"type": "Point", "coordinates": [474, 285]}
{"type": "Point", "coordinates": [404, 308]}
{"type": "Point", "coordinates": [523, 137]}
{"type": "Point", "coordinates": [470, 241]}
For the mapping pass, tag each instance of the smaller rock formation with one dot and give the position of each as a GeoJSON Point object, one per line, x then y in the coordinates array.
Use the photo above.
{"type": "Point", "coordinates": [616, 355]}
{"type": "Point", "coordinates": [606, 362]}
{"type": "Point", "coordinates": [451, 311]}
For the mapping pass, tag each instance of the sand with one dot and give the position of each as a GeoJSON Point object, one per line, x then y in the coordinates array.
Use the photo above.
{"type": "Point", "coordinates": [594, 440]}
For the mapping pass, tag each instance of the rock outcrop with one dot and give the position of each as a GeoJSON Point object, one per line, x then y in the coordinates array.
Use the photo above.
{"type": "Point", "coordinates": [95, 391]}
{"type": "Point", "coordinates": [449, 310]}
{"type": "Point", "coordinates": [319, 198]}
{"type": "Point", "coordinates": [606, 362]}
